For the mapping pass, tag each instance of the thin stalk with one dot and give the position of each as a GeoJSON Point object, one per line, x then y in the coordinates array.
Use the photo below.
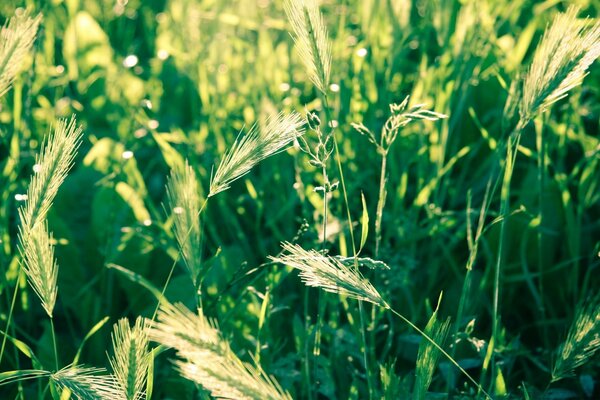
{"type": "Point", "coordinates": [54, 343]}
{"type": "Point", "coordinates": [380, 203]}
{"type": "Point", "coordinates": [539, 141]}
{"type": "Point", "coordinates": [511, 153]}
{"type": "Point", "coordinates": [364, 344]}
{"type": "Point", "coordinates": [164, 289]}
{"type": "Point", "coordinates": [438, 347]}
{"type": "Point", "coordinates": [10, 312]}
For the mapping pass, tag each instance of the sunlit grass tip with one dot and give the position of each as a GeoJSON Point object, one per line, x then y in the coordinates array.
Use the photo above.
{"type": "Point", "coordinates": [583, 340]}
{"type": "Point", "coordinates": [329, 274]}
{"type": "Point", "coordinates": [207, 359]}
{"type": "Point", "coordinates": [87, 383]}
{"type": "Point", "coordinates": [183, 192]}
{"type": "Point", "coordinates": [131, 360]}
{"type": "Point", "coordinates": [56, 159]}
{"type": "Point", "coordinates": [310, 36]}
{"type": "Point", "coordinates": [40, 265]}
{"type": "Point", "coordinates": [250, 149]}
{"type": "Point", "coordinates": [16, 40]}
{"type": "Point", "coordinates": [569, 46]}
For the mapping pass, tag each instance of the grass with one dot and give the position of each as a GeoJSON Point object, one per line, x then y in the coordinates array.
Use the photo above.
{"type": "Point", "coordinates": [267, 199]}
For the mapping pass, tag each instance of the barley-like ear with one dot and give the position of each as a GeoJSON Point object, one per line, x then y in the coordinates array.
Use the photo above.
{"type": "Point", "coordinates": [583, 340]}
{"type": "Point", "coordinates": [429, 355]}
{"type": "Point", "coordinates": [40, 265]}
{"type": "Point", "coordinates": [131, 359]}
{"type": "Point", "coordinates": [329, 274]}
{"type": "Point", "coordinates": [85, 383]}
{"type": "Point", "coordinates": [258, 144]}
{"type": "Point", "coordinates": [561, 60]}
{"type": "Point", "coordinates": [183, 192]}
{"type": "Point", "coordinates": [310, 36]}
{"type": "Point", "coordinates": [57, 156]}
{"type": "Point", "coordinates": [16, 40]}
{"type": "Point", "coordinates": [207, 359]}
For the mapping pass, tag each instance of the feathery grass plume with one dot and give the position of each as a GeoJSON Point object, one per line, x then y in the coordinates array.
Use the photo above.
{"type": "Point", "coordinates": [131, 359]}
{"type": "Point", "coordinates": [310, 36]}
{"type": "Point", "coordinates": [57, 156]}
{"type": "Point", "coordinates": [40, 265]}
{"type": "Point", "coordinates": [561, 60]}
{"type": "Point", "coordinates": [279, 131]}
{"type": "Point", "coordinates": [583, 340]}
{"type": "Point", "coordinates": [16, 39]}
{"type": "Point", "coordinates": [429, 355]}
{"type": "Point", "coordinates": [207, 359]}
{"type": "Point", "coordinates": [183, 192]}
{"type": "Point", "coordinates": [85, 383]}
{"type": "Point", "coordinates": [329, 274]}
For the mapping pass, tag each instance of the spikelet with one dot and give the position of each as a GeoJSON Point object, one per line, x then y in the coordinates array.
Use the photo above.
{"type": "Point", "coordinates": [429, 355]}
{"type": "Point", "coordinates": [131, 359]}
{"type": "Point", "coordinates": [329, 274]}
{"type": "Point", "coordinates": [310, 36]}
{"type": "Point", "coordinates": [183, 192]}
{"type": "Point", "coordinates": [35, 243]}
{"type": "Point", "coordinates": [258, 144]}
{"type": "Point", "coordinates": [57, 156]}
{"type": "Point", "coordinates": [85, 383]}
{"type": "Point", "coordinates": [560, 62]}
{"type": "Point", "coordinates": [583, 340]}
{"type": "Point", "coordinates": [16, 40]}
{"type": "Point", "coordinates": [207, 359]}
{"type": "Point", "coordinates": [40, 265]}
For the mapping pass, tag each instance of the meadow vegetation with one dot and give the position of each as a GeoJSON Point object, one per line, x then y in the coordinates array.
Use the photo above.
{"type": "Point", "coordinates": [299, 199]}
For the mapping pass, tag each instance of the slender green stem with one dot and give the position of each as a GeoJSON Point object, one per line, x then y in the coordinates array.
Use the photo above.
{"type": "Point", "coordinates": [511, 153]}
{"type": "Point", "coordinates": [380, 203]}
{"type": "Point", "coordinates": [364, 348]}
{"type": "Point", "coordinates": [10, 313]}
{"type": "Point", "coordinates": [54, 343]}
{"type": "Point", "coordinates": [164, 289]}
{"type": "Point", "coordinates": [437, 346]}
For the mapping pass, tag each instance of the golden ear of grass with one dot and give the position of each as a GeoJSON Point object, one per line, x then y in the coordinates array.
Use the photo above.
{"type": "Point", "coordinates": [310, 36]}
{"type": "Point", "coordinates": [247, 151]}
{"type": "Point", "coordinates": [183, 192]}
{"type": "Point", "coordinates": [329, 274]}
{"type": "Point", "coordinates": [131, 359]}
{"type": "Point", "coordinates": [16, 39]}
{"type": "Point", "coordinates": [561, 60]}
{"type": "Point", "coordinates": [55, 161]}
{"type": "Point", "coordinates": [207, 359]}
{"type": "Point", "coordinates": [40, 265]}
{"type": "Point", "coordinates": [583, 340]}
{"type": "Point", "coordinates": [86, 383]}
{"type": "Point", "coordinates": [35, 242]}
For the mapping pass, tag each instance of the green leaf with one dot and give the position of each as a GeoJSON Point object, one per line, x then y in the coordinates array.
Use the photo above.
{"type": "Point", "coordinates": [91, 333]}
{"type": "Point", "coordinates": [364, 222]}
{"type": "Point", "coordinates": [21, 375]}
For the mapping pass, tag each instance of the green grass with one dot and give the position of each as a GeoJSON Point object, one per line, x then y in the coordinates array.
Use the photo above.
{"type": "Point", "coordinates": [390, 151]}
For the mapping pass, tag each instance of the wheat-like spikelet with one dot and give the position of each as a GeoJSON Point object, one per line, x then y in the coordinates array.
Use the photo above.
{"type": "Point", "coordinates": [57, 156]}
{"type": "Point", "coordinates": [560, 62]}
{"type": "Point", "coordinates": [310, 36]}
{"type": "Point", "coordinates": [183, 192]}
{"type": "Point", "coordinates": [16, 40]}
{"type": "Point", "coordinates": [207, 359]}
{"type": "Point", "coordinates": [583, 340]}
{"type": "Point", "coordinates": [258, 144]}
{"type": "Point", "coordinates": [85, 383]}
{"type": "Point", "coordinates": [328, 273]}
{"type": "Point", "coordinates": [40, 265]}
{"type": "Point", "coordinates": [131, 359]}
{"type": "Point", "coordinates": [429, 355]}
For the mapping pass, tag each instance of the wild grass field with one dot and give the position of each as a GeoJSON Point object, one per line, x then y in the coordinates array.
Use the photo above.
{"type": "Point", "coordinates": [299, 199]}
